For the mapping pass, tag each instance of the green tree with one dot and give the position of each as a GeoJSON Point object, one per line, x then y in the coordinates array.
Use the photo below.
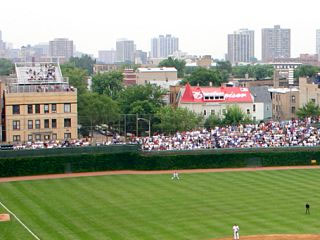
{"type": "Point", "coordinates": [309, 110]}
{"type": "Point", "coordinates": [306, 71]}
{"type": "Point", "coordinates": [203, 77]}
{"type": "Point", "coordinates": [95, 109]}
{"type": "Point", "coordinates": [6, 67]}
{"type": "Point", "coordinates": [176, 63]}
{"type": "Point", "coordinates": [234, 116]}
{"type": "Point", "coordinates": [173, 119]}
{"type": "Point", "coordinates": [257, 71]}
{"type": "Point", "coordinates": [108, 83]}
{"type": "Point", "coordinates": [213, 120]}
{"type": "Point", "coordinates": [142, 99]}
{"type": "Point", "coordinates": [77, 77]}
{"type": "Point", "coordinates": [224, 66]}
{"type": "Point", "coordinates": [84, 62]}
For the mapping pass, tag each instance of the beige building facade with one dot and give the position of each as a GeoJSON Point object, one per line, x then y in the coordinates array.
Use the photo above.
{"type": "Point", "coordinates": [148, 75]}
{"type": "Point", "coordinates": [39, 105]}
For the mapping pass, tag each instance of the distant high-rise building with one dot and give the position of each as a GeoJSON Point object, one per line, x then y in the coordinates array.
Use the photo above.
{"type": "Point", "coordinates": [318, 44]}
{"type": "Point", "coordinates": [141, 57]}
{"type": "Point", "coordinates": [125, 51]}
{"type": "Point", "coordinates": [241, 46]}
{"type": "Point", "coordinates": [2, 44]}
{"type": "Point", "coordinates": [107, 56]}
{"type": "Point", "coordinates": [41, 50]}
{"type": "Point", "coordinates": [163, 46]}
{"type": "Point", "coordinates": [276, 43]}
{"type": "Point", "coordinates": [61, 47]}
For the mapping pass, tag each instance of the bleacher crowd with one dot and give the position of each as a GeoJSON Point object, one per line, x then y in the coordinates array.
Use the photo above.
{"type": "Point", "coordinates": [262, 135]}
{"type": "Point", "coordinates": [44, 72]}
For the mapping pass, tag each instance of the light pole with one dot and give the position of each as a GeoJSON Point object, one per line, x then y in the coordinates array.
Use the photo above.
{"type": "Point", "coordinates": [149, 122]}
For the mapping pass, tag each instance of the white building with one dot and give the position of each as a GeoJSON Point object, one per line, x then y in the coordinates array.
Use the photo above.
{"type": "Point", "coordinates": [216, 100]}
{"type": "Point", "coordinates": [241, 46]}
{"type": "Point", "coordinates": [125, 51]}
{"type": "Point", "coordinates": [318, 43]}
{"type": "Point", "coordinates": [61, 47]}
{"type": "Point", "coordinates": [158, 76]}
{"type": "Point", "coordinates": [163, 46]}
{"type": "Point", "coordinates": [107, 56]}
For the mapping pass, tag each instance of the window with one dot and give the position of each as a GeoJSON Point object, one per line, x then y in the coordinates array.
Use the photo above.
{"type": "Point", "coordinates": [37, 124]}
{"type": "Point", "coordinates": [54, 123]}
{"type": "Point", "coordinates": [254, 119]}
{"type": "Point", "coordinates": [38, 137]}
{"type": "Point", "coordinates": [30, 109]}
{"type": "Point", "coordinates": [67, 107]}
{"type": "Point", "coordinates": [204, 112]}
{"type": "Point", "coordinates": [293, 99]}
{"type": "Point", "coordinates": [54, 108]}
{"type": "Point", "coordinates": [30, 124]}
{"type": "Point", "coordinates": [293, 110]}
{"type": "Point", "coordinates": [313, 100]}
{"type": "Point", "coordinates": [67, 122]}
{"type": "Point", "coordinates": [67, 135]}
{"type": "Point", "coordinates": [248, 111]}
{"type": "Point", "coordinates": [254, 108]}
{"type": "Point", "coordinates": [16, 138]}
{"type": "Point", "coordinates": [46, 123]}
{"type": "Point", "coordinates": [47, 137]}
{"type": "Point", "coordinates": [37, 108]}
{"type": "Point", "coordinates": [46, 108]}
{"type": "Point", "coordinates": [54, 136]}
{"type": "Point", "coordinates": [30, 138]}
{"type": "Point", "coordinates": [16, 124]}
{"type": "Point", "coordinates": [16, 109]}
{"type": "Point", "coordinates": [213, 112]}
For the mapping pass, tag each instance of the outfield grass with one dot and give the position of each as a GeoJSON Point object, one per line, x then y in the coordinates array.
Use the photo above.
{"type": "Point", "coordinates": [199, 206]}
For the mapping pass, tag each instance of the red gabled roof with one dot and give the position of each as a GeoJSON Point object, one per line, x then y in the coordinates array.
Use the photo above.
{"type": "Point", "coordinates": [230, 94]}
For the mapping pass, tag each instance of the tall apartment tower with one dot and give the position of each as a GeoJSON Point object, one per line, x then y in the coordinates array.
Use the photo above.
{"type": "Point", "coordinates": [163, 46]}
{"type": "Point", "coordinates": [61, 47]}
{"type": "Point", "coordinates": [2, 45]}
{"type": "Point", "coordinates": [125, 51]}
{"type": "Point", "coordinates": [241, 46]}
{"type": "Point", "coordinates": [107, 56]}
{"type": "Point", "coordinates": [276, 43]}
{"type": "Point", "coordinates": [318, 43]}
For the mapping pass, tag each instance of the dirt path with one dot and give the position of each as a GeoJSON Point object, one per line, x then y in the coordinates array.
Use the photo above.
{"type": "Point", "coordinates": [278, 237]}
{"type": "Point", "coordinates": [132, 172]}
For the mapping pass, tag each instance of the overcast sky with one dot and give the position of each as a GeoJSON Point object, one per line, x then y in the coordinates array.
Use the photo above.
{"type": "Point", "coordinates": [202, 25]}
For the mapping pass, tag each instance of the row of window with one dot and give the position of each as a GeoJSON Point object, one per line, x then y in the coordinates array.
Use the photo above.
{"type": "Point", "coordinates": [46, 108]}
{"type": "Point", "coordinates": [224, 110]}
{"type": "Point", "coordinates": [36, 124]}
{"type": "Point", "coordinates": [39, 137]}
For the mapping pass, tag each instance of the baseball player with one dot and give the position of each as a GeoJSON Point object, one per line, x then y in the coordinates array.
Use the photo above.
{"type": "Point", "coordinates": [175, 176]}
{"type": "Point", "coordinates": [235, 229]}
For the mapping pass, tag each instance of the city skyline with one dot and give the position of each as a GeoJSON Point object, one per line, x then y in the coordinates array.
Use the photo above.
{"type": "Point", "coordinates": [202, 29]}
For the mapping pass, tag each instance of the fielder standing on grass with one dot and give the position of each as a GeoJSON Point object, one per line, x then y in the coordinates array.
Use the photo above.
{"type": "Point", "coordinates": [307, 208]}
{"type": "Point", "coordinates": [175, 176]}
{"type": "Point", "coordinates": [235, 229]}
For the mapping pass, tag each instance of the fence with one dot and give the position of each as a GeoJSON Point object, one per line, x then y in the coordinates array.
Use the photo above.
{"type": "Point", "coordinates": [70, 151]}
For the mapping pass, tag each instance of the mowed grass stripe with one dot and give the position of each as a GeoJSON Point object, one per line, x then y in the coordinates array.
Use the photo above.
{"type": "Point", "coordinates": [199, 206]}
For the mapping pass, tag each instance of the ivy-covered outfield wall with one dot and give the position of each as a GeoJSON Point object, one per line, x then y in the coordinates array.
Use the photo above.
{"type": "Point", "coordinates": [132, 159]}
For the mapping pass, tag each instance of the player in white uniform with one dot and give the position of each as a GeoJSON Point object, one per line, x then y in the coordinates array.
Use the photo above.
{"type": "Point", "coordinates": [175, 176]}
{"type": "Point", "coordinates": [235, 229]}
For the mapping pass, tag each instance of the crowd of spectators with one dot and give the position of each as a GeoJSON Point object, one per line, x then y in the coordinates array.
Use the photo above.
{"type": "Point", "coordinates": [269, 134]}
{"type": "Point", "coordinates": [262, 135]}
{"type": "Point", "coordinates": [45, 72]}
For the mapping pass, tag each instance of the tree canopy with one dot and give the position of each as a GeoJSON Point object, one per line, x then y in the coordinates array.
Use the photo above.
{"type": "Point", "coordinates": [176, 63]}
{"type": "Point", "coordinates": [84, 62]}
{"type": "Point", "coordinates": [173, 119]}
{"type": "Point", "coordinates": [108, 83]}
{"type": "Point", "coordinates": [306, 71]}
{"type": "Point", "coordinates": [311, 109]}
{"type": "Point", "coordinates": [142, 99]}
{"type": "Point", "coordinates": [234, 116]}
{"type": "Point", "coordinates": [204, 76]}
{"type": "Point", "coordinates": [77, 77]}
{"type": "Point", "coordinates": [6, 67]}
{"type": "Point", "coordinates": [258, 71]}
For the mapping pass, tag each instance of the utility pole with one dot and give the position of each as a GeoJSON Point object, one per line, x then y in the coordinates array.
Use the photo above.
{"type": "Point", "coordinates": [137, 131]}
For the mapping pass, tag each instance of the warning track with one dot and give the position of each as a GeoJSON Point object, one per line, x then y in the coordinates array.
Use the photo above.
{"type": "Point", "coordinates": [134, 172]}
